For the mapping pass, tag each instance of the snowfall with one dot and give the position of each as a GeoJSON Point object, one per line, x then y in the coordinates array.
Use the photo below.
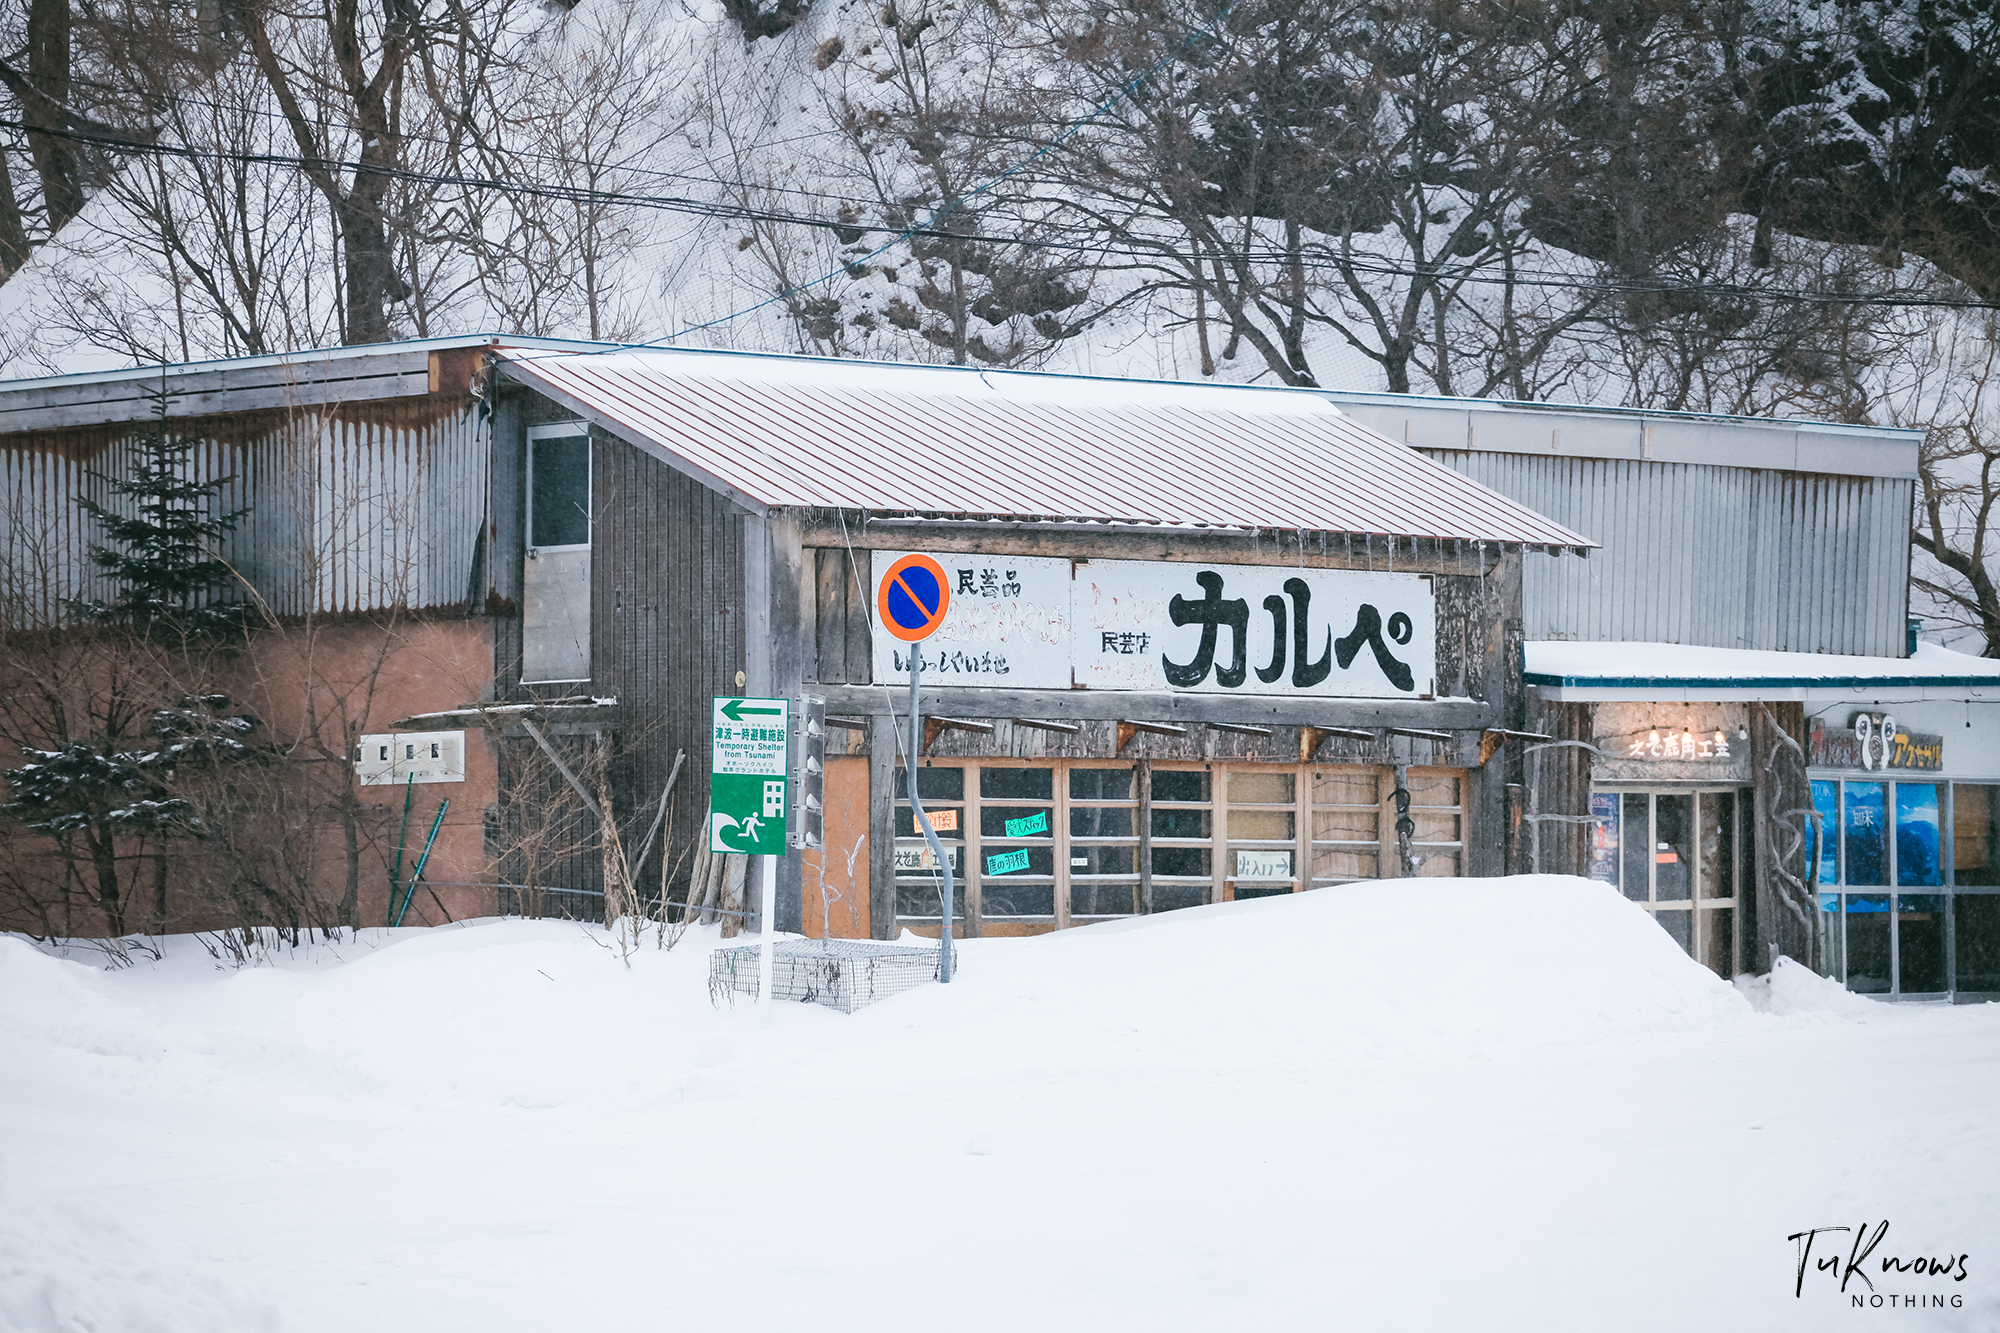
{"type": "Point", "coordinates": [1439, 1104]}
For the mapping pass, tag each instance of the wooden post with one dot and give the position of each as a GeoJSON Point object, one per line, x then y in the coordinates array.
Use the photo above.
{"type": "Point", "coordinates": [1144, 776]}
{"type": "Point", "coordinates": [882, 826]}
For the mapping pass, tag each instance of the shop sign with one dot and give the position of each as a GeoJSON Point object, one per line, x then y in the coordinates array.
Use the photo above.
{"type": "Point", "coordinates": [1263, 865]}
{"type": "Point", "coordinates": [1872, 741]}
{"type": "Point", "coordinates": [1031, 622]}
{"type": "Point", "coordinates": [1681, 745]}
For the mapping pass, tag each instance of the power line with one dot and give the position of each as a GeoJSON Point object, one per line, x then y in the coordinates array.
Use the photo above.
{"type": "Point", "coordinates": [1091, 243]}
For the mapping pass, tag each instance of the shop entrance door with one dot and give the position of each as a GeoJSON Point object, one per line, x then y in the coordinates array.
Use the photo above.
{"type": "Point", "coordinates": [1681, 854]}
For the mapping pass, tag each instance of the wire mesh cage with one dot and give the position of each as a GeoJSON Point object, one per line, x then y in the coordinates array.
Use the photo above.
{"type": "Point", "coordinates": [840, 974]}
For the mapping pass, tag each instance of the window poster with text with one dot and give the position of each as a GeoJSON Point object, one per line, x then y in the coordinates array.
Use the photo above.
{"type": "Point", "coordinates": [1019, 622]}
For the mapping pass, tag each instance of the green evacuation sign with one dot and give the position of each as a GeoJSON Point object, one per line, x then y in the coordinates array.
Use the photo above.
{"type": "Point", "coordinates": [748, 776]}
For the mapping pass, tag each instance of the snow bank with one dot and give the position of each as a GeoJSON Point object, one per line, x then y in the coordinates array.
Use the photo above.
{"type": "Point", "coordinates": [1793, 988]}
{"type": "Point", "coordinates": [1420, 1104]}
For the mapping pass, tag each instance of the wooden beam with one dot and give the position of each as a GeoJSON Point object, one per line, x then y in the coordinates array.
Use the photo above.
{"type": "Point", "coordinates": [1145, 542]}
{"type": "Point", "coordinates": [1065, 728]}
{"type": "Point", "coordinates": [1311, 738]}
{"type": "Point", "coordinates": [1128, 729]}
{"type": "Point", "coordinates": [1241, 729]}
{"type": "Point", "coordinates": [935, 727]}
{"type": "Point", "coordinates": [1167, 706]}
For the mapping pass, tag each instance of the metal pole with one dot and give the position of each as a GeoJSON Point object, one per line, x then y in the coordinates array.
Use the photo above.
{"type": "Point", "coordinates": [924, 820]}
{"type": "Point", "coordinates": [767, 897]}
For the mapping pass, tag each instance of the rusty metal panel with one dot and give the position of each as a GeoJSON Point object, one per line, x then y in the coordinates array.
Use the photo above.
{"type": "Point", "coordinates": [1728, 557]}
{"type": "Point", "coordinates": [938, 441]}
{"type": "Point", "coordinates": [356, 508]}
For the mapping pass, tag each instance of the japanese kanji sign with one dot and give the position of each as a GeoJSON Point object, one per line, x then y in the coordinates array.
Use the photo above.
{"type": "Point", "coordinates": [749, 776]}
{"type": "Point", "coordinates": [1028, 622]}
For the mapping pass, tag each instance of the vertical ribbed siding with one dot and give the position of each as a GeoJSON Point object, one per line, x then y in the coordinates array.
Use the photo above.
{"type": "Point", "coordinates": [355, 510]}
{"type": "Point", "coordinates": [1723, 557]}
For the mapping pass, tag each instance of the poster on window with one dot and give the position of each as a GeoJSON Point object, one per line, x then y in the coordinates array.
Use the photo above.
{"type": "Point", "coordinates": [1023, 622]}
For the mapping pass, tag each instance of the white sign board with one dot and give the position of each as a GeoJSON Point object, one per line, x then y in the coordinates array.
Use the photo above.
{"type": "Point", "coordinates": [1008, 627]}
{"type": "Point", "coordinates": [391, 759]}
{"type": "Point", "coordinates": [1019, 622]}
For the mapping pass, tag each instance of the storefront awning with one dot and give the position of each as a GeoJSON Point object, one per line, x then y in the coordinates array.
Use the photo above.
{"type": "Point", "coordinates": [1676, 673]}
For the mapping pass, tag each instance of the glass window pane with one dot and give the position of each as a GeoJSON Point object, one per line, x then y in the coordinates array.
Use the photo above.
{"type": "Point", "coordinates": [1181, 861]}
{"type": "Point", "coordinates": [560, 487]}
{"type": "Point", "coordinates": [1826, 829]}
{"type": "Point", "coordinates": [1015, 821]}
{"type": "Point", "coordinates": [1093, 859]}
{"type": "Point", "coordinates": [1976, 930]}
{"type": "Point", "coordinates": [1638, 850]}
{"type": "Point", "coordinates": [1975, 856]}
{"type": "Point", "coordinates": [1920, 943]}
{"type": "Point", "coordinates": [1364, 825]}
{"type": "Point", "coordinates": [1867, 938]}
{"type": "Point", "coordinates": [1170, 784]}
{"type": "Point", "coordinates": [1717, 811]}
{"type": "Point", "coordinates": [1103, 899]}
{"type": "Point", "coordinates": [1604, 838]}
{"type": "Point", "coordinates": [1347, 786]}
{"type": "Point", "coordinates": [1102, 784]}
{"type": "Point", "coordinates": [1863, 847]}
{"type": "Point", "coordinates": [1437, 861]}
{"type": "Point", "coordinates": [1103, 821]}
{"type": "Point", "coordinates": [1019, 784]}
{"type": "Point", "coordinates": [1433, 789]}
{"type": "Point", "coordinates": [1830, 939]}
{"type": "Point", "coordinates": [1006, 898]}
{"type": "Point", "coordinates": [1434, 827]}
{"type": "Point", "coordinates": [1918, 848]}
{"type": "Point", "coordinates": [1673, 856]}
{"type": "Point", "coordinates": [1261, 825]}
{"type": "Point", "coordinates": [919, 898]}
{"type": "Point", "coordinates": [1345, 863]}
{"type": "Point", "coordinates": [1261, 788]}
{"type": "Point", "coordinates": [1027, 860]}
{"type": "Point", "coordinates": [1680, 925]}
{"type": "Point", "coordinates": [947, 820]}
{"type": "Point", "coordinates": [1243, 890]}
{"type": "Point", "coordinates": [1173, 897]}
{"type": "Point", "coordinates": [933, 784]}
{"type": "Point", "coordinates": [1180, 823]}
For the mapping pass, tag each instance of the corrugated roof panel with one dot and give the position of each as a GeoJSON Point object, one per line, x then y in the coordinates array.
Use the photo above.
{"type": "Point", "coordinates": [919, 440]}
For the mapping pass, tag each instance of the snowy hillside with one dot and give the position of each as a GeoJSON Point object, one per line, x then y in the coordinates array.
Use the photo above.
{"type": "Point", "coordinates": [1428, 1105]}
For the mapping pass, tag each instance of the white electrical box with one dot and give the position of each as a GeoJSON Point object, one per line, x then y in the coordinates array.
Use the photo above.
{"type": "Point", "coordinates": [399, 757]}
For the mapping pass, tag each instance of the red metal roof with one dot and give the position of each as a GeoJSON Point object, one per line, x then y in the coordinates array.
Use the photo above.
{"type": "Point", "coordinates": [937, 441]}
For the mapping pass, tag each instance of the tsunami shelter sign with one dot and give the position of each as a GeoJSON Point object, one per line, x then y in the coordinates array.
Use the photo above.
{"type": "Point", "coordinates": [749, 776]}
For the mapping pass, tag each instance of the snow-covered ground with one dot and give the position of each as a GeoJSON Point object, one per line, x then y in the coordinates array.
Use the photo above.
{"type": "Point", "coordinates": [1498, 1104]}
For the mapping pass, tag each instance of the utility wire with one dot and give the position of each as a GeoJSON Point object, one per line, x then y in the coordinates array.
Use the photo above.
{"type": "Point", "coordinates": [930, 229]}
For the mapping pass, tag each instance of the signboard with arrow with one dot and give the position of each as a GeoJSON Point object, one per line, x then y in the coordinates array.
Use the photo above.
{"type": "Point", "coordinates": [750, 776]}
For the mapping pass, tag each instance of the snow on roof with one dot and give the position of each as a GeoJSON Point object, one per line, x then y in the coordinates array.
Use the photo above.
{"type": "Point", "coordinates": [1675, 671]}
{"type": "Point", "coordinates": [967, 443]}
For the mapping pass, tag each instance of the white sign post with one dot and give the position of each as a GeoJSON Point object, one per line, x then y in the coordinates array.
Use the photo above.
{"type": "Point", "coordinates": [748, 783]}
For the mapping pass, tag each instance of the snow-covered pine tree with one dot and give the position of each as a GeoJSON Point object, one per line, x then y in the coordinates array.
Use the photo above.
{"type": "Point", "coordinates": [162, 554]}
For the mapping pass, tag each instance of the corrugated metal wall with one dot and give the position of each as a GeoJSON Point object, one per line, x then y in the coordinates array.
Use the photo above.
{"type": "Point", "coordinates": [365, 506]}
{"type": "Point", "coordinates": [1719, 556]}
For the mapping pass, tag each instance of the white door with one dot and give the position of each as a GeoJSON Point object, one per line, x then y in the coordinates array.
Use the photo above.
{"type": "Point", "coordinates": [555, 584]}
